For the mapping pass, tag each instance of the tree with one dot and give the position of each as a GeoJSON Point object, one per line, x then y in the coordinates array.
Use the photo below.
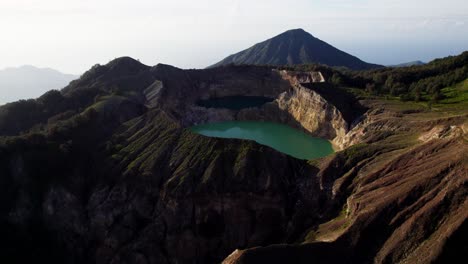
{"type": "Point", "coordinates": [370, 88]}
{"type": "Point", "coordinates": [336, 79]}
{"type": "Point", "coordinates": [389, 83]}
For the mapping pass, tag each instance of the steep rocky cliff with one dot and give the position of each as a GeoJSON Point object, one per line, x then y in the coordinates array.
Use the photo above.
{"type": "Point", "coordinates": [317, 115]}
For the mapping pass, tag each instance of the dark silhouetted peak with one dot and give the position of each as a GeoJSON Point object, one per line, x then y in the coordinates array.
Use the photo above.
{"type": "Point", "coordinates": [117, 72]}
{"type": "Point", "coordinates": [119, 66]}
{"type": "Point", "coordinates": [127, 63]}
{"type": "Point", "coordinates": [295, 47]}
{"type": "Point", "coordinates": [298, 32]}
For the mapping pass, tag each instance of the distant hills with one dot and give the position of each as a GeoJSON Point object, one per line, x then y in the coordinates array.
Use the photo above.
{"type": "Point", "coordinates": [296, 47]}
{"type": "Point", "coordinates": [30, 82]}
{"type": "Point", "coordinates": [408, 64]}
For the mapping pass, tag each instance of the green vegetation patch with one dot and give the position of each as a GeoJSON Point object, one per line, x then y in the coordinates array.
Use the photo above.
{"type": "Point", "coordinates": [455, 94]}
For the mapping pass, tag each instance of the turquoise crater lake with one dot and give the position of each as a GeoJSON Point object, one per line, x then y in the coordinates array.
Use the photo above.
{"type": "Point", "coordinates": [280, 137]}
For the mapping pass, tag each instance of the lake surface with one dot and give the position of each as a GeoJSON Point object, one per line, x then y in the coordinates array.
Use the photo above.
{"type": "Point", "coordinates": [235, 102]}
{"type": "Point", "coordinates": [280, 137]}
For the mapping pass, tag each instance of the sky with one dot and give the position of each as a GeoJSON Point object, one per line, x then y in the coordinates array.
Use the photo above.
{"type": "Point", "coordinates": [73, 35]}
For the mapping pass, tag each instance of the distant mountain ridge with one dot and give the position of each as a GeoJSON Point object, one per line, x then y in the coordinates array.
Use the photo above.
{"type": "Point", "coordinates": [30, 82]}
{"type": "Point", "coordinates": [296, 47]}
{"type": "Point", "coordinates": [408, 64]}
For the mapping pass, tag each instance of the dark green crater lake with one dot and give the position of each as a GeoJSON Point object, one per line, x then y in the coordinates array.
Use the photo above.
{"type": "Point", "coordinates": [234, 102]}
{"type": "Point", "coordinates": [280, 137]}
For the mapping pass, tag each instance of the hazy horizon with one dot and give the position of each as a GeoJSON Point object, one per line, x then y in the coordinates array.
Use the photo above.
{"type": "Point", "coordinates": [73, 36]}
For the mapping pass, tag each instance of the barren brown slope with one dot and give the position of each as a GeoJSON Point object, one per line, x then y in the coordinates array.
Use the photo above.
{"type": "Point", "coordinates": [403, 198]}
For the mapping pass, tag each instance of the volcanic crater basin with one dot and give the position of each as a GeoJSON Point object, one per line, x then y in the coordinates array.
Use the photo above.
{"type": "Point", "coordinates": [235, 102]}
{"type": "Point", "coordinates": [275, 135]}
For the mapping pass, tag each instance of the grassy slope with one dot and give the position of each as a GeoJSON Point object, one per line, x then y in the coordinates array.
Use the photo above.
{"type": "Point", "coordinates": [455, 97]}
{"type": "Point", "coordinates": [455, 100]}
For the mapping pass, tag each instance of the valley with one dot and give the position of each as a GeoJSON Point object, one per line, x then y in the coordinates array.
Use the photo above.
{"type": "Point", "coordinates": [234, 102]}
{"type": "Point", "coordinates": [128, 181]}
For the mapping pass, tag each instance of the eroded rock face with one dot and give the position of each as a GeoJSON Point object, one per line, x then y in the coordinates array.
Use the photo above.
{"type": "Point", "coordinates": [313, 112]}
{"type": "Point", "coordinates": [153, 93]}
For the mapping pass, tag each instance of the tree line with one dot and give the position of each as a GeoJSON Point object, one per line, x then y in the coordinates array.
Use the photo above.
{"type": "Point", "coordinates": [416, 83]}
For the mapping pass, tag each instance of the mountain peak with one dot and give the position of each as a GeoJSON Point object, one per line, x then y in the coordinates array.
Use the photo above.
{"type": "Point", "coordinates": [125, 62]}
{"type": "Point", "coordinates": [293, 47]}
{"type": "Point", "coordinates": [296, 31]}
